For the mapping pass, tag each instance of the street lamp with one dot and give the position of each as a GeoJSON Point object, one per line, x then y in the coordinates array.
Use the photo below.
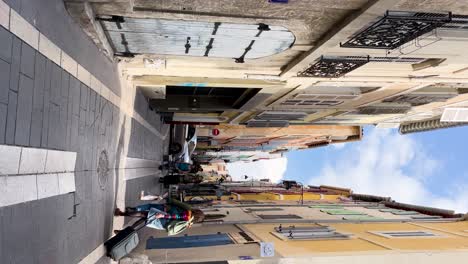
{"type": "Point", "coordinates": [289, 184]}
{"type": "Point", "coordinates": [251, 181]}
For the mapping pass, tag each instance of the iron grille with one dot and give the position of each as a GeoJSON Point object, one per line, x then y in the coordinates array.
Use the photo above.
{"type": "Point", "coordinates": [458, 22]}
{"type": "Point", "coordinates": [427, 125]}
{"type": "Point", "coordinates": [410, 60]}
{"type": "Point", "coordinates": [397, 28]}
{"type": "Point", "coordinates": [333, 67]}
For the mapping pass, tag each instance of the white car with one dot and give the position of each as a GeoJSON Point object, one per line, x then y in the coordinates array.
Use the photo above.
{"type": "Point", "coordinates": [183, 142]}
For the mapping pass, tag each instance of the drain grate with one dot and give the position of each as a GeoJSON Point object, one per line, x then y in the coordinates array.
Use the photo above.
{"type": "Point", "coordinates": [103, 169]}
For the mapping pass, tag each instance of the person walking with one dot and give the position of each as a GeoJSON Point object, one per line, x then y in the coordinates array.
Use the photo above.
{"type": "Point", "coordinates": [174, 216]}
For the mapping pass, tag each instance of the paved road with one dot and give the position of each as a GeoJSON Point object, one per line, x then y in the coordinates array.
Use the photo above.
{"type": "Point", "coordinates": [43, 106]}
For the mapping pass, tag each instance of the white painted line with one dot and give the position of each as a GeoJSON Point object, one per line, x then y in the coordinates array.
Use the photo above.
{"type": "Point", "coordinates": [19, 178]}
{"type": "Point", "coordinates": [29, 187]}
{"type": "Point", "coordinates": [95, 84]}
{"type": "Point", "coordinates": [84, 76]}
{"type": "Point", "coordinates": [9, 159]}
{"type": "Point", "coordinates": [115, 99]}
{"type": "Point", "coordinates": [25, 188]}
{"type": "Point", "coordinates": [17, 189]}
{"type": "Point", "coordinates": [70, 161]}
{"type": "Point", "coordinates": [60, 161]}
{"type": "Point", "coordinates": [100, 87]}
{"type": "Point", "coordinates": [4, 15]}
{"type": "Point", "coordinates": [69, 64]}
{"type": "Point", "coordinates": [105, 92]}
{"type": "Point", "coordinates": [132, 163]}
{"type": "Point", "coordinates": [25, 31]}
{"type": "Point", "coordinates": [131, 174]}
{"type": "Point", "coordinates": [11, 191]}
{"type": "Point", "coordinates": [47, 185]}
{"type": "Point", "coordinates": [95, 255]}
{"type": "Point", "coordinates": [49, 49]}
{"type": "Point", "coordinates": [144, 123]}
{"type": "Point", "coordinates": [32, 161]}
{"type": "Point", "coordinates": [66, 182]}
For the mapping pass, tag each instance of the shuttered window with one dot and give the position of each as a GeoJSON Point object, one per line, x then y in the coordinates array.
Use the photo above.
{"type": "Point", "coordinates": [286, 216]}
{"type": "Point", "coordinates": [308, 233]}
{"type": "Point", "coordinates": [405, 234]}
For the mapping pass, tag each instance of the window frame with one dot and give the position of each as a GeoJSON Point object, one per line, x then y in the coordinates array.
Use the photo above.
{"type": "Point", "coordinates": [320, 231]}
{"type": "Point", "coordinates": [385, 234]}
{"type": "Point", "coordinates": [279, 216]}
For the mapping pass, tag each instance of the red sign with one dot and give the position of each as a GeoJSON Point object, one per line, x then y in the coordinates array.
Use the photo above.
{"type": "Point", "coordinates": [215, 132]}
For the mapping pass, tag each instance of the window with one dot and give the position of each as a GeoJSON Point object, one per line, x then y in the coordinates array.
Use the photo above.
{"type": "Point", "coordinates": [405, 234]}
{"type": "Point", "coordinates": [421, 216]}
{"type": "Point", "coordinates": [243, 237]}
{"type": "Point", "coordinates": [189, 241]}
{"type": "Point", "coordinates": [326, 206]}
{"type": "Point", "coordinates": [361, 218]}
{"type": "Point", "coordinates": [247, 202]}
{"type": "Point", "coordinates": [249, 210]}
{"type": "Point", "coordinates": [398, 212]}
{"type": "Point", "coordinates": [288, 216]}
{"type": "Point", "coordinates": [332, 211]}
{"type": "Point", "coordinates": [308, 233]}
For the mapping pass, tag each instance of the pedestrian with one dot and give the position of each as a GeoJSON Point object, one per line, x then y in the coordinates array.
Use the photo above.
{"type": "Point", "coordinates": [174, 216]}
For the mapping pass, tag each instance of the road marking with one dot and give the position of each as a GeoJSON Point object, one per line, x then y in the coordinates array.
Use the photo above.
{"type": "Point", "coordinates": [49, 49]}
{"type": "Point", "coordinates": [32, 161]}
{"type": "Point", "coordinates": [9, 159]}
{"type": "Point", "coordinates": [25, 31]}
{"type": "Point", "coordinates": [29, 174]}
{"type": "Point", "coordinates": [4, 15]}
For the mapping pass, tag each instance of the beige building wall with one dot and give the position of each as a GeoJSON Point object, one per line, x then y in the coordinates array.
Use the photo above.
{"type": "Point", "coordinates": [364, 238]}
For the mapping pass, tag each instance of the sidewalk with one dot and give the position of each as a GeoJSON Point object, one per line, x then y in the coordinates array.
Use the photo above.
{"type": "Point", "coordinates": [62, 94]}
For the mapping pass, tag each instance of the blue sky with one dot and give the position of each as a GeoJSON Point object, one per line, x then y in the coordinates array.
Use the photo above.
{"type": "Point", "coordinates": [429, 168]}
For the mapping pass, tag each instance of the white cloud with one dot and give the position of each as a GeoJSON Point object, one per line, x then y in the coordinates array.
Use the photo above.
{"type": "Point", "coordinates": [388, 164]}
{"type": "Point", "coordinates": [338, 145]}
{"type": "Point", "coordinates": [272, 169]}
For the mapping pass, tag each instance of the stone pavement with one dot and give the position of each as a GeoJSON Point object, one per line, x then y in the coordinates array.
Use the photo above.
{"type": "Point", "coordinates": [45, 105]}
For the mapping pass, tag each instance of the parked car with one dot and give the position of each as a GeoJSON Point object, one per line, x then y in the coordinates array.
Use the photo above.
{"type": "Point", "coordinates": [183, 142]}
